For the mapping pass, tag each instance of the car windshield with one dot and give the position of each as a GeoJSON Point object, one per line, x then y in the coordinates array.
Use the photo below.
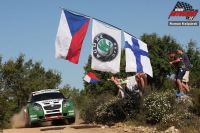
{"type": "Point", "coordinates": [47, 96]}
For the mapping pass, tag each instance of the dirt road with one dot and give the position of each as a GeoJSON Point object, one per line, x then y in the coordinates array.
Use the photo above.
{"type": "Point", "coordinates": [18, 126]}
{"type": "Point", "coordinates": [75, 128]}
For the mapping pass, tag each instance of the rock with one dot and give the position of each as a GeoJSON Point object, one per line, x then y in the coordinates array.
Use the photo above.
{"type": "Point", "coordinates": [110, 123]}
{"type": "Point", "coordinates": [120, 124]}
{"type": "Point", "coordinates": [172, 129]}
{"type": "Point", "coordinates": [113, 127]}
{"type": "Point", "coordinates": [94, 123]}
{"type": "Point", "coordinates": [176, 131]}
{"type": "Point", "coordinates": [103, 127]}
{"type": "Point", "coordinates": [182, 103]}
{"type": "Point", "coordinates": [125, 129]}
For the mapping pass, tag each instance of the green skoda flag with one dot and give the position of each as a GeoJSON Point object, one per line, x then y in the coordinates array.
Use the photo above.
{"type": "Point", "coordinates": [106, 48]}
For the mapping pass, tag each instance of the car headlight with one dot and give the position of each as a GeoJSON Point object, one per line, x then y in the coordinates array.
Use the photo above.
{"type": "Point", "coordinates": [66, 104]}
{"type": "Point", "coordinates": [36, 107]}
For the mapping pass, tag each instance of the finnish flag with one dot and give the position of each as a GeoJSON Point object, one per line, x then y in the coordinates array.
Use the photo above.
{"type": "Point", "coordinates": [137, 56]}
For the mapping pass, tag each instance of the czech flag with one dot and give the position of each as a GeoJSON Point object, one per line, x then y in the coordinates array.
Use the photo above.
{"type": "Point", "coordinates": [91, 78]}
{"type": "Point", "coordinates": [70, 35]}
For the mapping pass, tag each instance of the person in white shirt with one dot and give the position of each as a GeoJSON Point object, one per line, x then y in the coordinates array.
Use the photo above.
{"type": "Point", "coordinates": [129, 86]}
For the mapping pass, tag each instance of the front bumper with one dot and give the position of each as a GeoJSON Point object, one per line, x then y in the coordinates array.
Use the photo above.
{"type": "Point", "coordinates": [36, 116]}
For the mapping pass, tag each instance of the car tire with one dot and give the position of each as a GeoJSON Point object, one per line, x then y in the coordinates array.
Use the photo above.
{"type": "Point", "coordinates": [29, 124]}
{"type": "Point", "coordinates": [71, 120]}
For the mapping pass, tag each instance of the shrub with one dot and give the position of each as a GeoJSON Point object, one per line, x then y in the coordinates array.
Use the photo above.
{"type": "Point", "coordinates": [127, 108]}
{"type": "Point", "coordinates": [105, 108]}
{"type": "Point", "coordinates": [157, 105]}
{"type": "Point", "coordinates": [196, 101]}
{"type": "Point", "coordinates": [108, 111]}
{"type": "Point", "coordinates": [90, 106]}
{"type": "Point", "coordinates": [184, 122]}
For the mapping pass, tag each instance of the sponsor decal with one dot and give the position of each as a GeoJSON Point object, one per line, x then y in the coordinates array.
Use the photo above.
{"type": "Point", "coordinates": [33, 116]}
{"type": "Point", "coordinates": [71, 111]}
{"type": "Point", "coordinates": [50, 101]}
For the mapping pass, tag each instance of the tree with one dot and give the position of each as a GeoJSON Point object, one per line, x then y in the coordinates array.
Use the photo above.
{"type": "Point", "coordinates": [3, 110]}
{"type": "Point", "coordinates": [70, 93]}
{"type": "Point", "coordinates": [1, 82]}
{"type": "Point", "coordinates": [193, 53]}
{"type": "Point", "coordinates": [73, 94]}
{"type": "Point", "coordinates": [20, 78]}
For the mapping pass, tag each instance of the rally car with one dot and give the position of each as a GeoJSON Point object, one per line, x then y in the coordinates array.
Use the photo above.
{"type": "Point", "coordinates": [48, 105]}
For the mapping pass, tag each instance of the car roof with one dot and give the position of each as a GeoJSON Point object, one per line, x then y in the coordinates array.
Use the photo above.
{"type": "Point", "coordinates": [45, 91]}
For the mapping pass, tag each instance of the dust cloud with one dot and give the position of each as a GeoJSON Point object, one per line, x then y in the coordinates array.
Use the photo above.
{"type": "Point", "coordinates": [78, 118]}
{"type": "Point", "coordinates": [18, 120]}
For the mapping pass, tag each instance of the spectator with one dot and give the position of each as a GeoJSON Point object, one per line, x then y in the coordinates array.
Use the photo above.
{"type": "Point", "coordinates": [121, 89]}
{"type": "Point", "coordinates": [125, 85]}
{"type": "Point", "coordinates": [179, 72]}
{"type": "Point", "coordinates": [185, 79]}
{"type": "Point", "coordinates": [130, 88]}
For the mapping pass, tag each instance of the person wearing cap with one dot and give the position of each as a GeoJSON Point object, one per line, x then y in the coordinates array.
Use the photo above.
{"type": "Point", "coordinates": [180, 72]}
{"type": "Point", "coordinates": [186, 61]}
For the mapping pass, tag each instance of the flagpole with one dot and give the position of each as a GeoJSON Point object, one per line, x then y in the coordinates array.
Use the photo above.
{"type": "Point", "coordinates": [74, 12]}
{"type": "Point", "coordinates": [96, 19]}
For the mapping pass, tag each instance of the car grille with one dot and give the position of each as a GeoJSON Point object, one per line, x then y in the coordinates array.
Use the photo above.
{"type": "Point", "coordinates": [52, 111]}
{"type": "Point", "coordinates": [52, 107]}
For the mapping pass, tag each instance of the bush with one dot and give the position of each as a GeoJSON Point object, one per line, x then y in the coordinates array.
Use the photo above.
{"type": "Point", "coordinates": [157, 105]}
{"type": "Point", "coordinates": [105, 108]}
{"type": "Point", "coordinates": [91, 105]}
{"type": "Point", "coordinates": [108, 111]}
{"type": "Point", "coordinates": [186, 122]}
{"type": "Point", "coordinates": [196, 101]}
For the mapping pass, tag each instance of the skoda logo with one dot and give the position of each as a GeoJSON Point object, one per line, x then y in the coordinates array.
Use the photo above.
{"type": "Point", "coordinates": [105, 47]}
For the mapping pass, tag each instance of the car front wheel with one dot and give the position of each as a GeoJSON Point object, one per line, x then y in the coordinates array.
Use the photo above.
{"type": "Point", "coordinates": [71, 120]}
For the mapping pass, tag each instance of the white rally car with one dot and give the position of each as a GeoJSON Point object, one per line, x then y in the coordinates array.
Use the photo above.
{"type": "Point", "coordinates": [49, 104]}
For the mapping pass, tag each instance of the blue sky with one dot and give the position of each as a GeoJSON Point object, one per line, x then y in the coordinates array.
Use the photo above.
{"type": "Point", "coordinates": [30, 27]}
